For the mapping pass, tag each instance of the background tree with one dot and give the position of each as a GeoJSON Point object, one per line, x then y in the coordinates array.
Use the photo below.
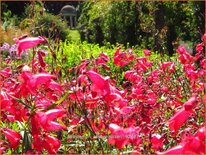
{"type": "Point", "coordinates": [155, 25]}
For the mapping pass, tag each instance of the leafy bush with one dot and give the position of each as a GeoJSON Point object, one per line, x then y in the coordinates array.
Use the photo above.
{"type": "Point", "coordinates": [147, 24]}
{"type": "Point", "coordinates": [9, 26]}
{"type": "Point", "coordinates": [51, 26]}
{"type": "Point", "coordinates": [10, 33]}
{"type": "Point", "coordinates": [74, 52]}
{"type": "Point", "coordinates": [7, 18]}
{"type": "Point", "coordinates": [45, 24]}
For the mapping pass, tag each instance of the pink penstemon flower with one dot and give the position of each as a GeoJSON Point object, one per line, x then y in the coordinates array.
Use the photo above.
{"type": "Point", "coordinates": [180, 117]}
{"type": "Point", "coordinates": [12, 136]}
{"type": "Point", "coordinates": [25, 42]}
{"type": "Point", "coordinates": [147, 52]}
{"type": "Point", "coordinates": [46, 121]}
{"type": "Point", "coordinates": [191, 144]}
{"type": "Point", "coordinates": [122, 136]}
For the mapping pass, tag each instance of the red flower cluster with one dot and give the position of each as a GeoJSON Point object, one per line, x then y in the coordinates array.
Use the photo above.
{"type": "Point", "coordinates": [191, 144]}
{"type": "Point", "coordinates": [135, 103]}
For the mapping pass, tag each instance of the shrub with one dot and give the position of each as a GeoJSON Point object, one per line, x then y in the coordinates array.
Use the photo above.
{"type": "Point", "coordinates": [10, 33]}
{"type": "Point", "coordinates": [9, 26]}
{"type": "Point", "coordinates": [51, 26]}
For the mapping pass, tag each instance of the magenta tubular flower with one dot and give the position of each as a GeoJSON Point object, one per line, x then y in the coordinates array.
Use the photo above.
{"type": "Point", "coordinates": [5, 101]}
{"type": "Point", "coordinates": [33, 82]}
{"type": "Point", "coordinates": [46, 119]}
{"type": "Point", "coordinates": [118, 136]}
{"type": "Point", "coordinates": [123, 58]}
{"type": "Point", "coordinates": [166, 65]}
{"type": "Point", "coordinates": [30, 42]}
{"type": "Point", "coordinates": [41, 78]}
{"type": "Point", "coordinates": [199, 47]}
{"type": "Point", "coordinates": [157, 141]}
{"type": "Point", "coordinates": [102, 59]}
{"type": "Point", "coordinates": [122, 136]}
{"type": "Point", "coordinates": [51, 144]}
{"type": "Point", "coordinates": [181, 49]}
{"type": "Point", "coordinates": [6, 72]}
{"type": "Point", "coordinates": [12, 136]}
{"type": "Point", "coordinates": [192, 144]}
{"type": "Point", "coordinates": [190, 104]}
{"type": "Point", "coordinates": [100, 84]}
{"type": "Point", "coordinates": [204, 37]}
{"type": "Point", "coordinates": [180, 117]}
{"type": "Point", "coordinates": [41, 60]}
{"type": "Point", "coordinates": [47, 142]}
{"type": "Point", "coordinates": [200, 133]}
{"type": "Point", "coordinates": [147, 52]}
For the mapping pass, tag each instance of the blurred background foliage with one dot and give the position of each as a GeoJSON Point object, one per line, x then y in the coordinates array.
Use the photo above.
{"type": "Point", "coordinates": [156, 25]}
{"type": "Point", "coordinates": [159, 26]}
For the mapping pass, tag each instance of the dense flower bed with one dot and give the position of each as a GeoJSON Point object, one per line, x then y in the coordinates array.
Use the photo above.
{"type": "Point", "coordinates": [157, 107]}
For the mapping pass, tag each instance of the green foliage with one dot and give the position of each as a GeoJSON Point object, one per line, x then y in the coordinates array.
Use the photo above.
{"type": "Point", "coordinates": [9, 26]}
{"type": "Point", "coordinates": [8, 19]}
{"type": "Point", "coordinates": [34, 10]}
{"type": "Point", "coordinates": [42, 23]}
{"type": "Point", "coordinates": [26, 23]}
{"type": "Point", "coordinates": [74, 35]}
{"type": "Point", "coordinates": [155, 25]}
{"type": "Point", "coordinates": [109, 21]}
{"type": "Point", "coordinates": [51, 26]}
{"type": "Point", "coordinates": [69, 54]}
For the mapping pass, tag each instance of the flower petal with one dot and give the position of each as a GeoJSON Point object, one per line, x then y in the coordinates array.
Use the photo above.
{"type": "Point", "coordinates": [54, 113]}
{"type": "Point", "coordinates": [12, 136]}
{"type": "Point", "coordinates": [190, 104]}
{"type": "Point", "coordinates": [100, 84]}
{"type": "Point", "coordinates": [29, 42]}
{"type": "Point", "coordinates": [179, 119]}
